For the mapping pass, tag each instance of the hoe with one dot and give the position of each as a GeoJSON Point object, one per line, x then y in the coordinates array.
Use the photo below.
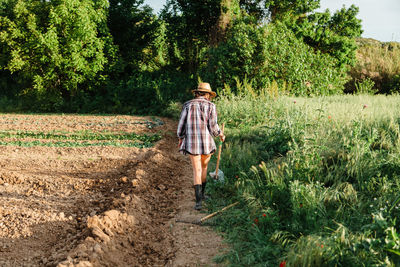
{"type": "Point", "coordinates": [218, 174]}
{"type": "Point", "coordinates": [201, 220]}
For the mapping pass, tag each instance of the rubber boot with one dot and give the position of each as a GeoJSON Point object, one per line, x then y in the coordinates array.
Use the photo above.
{"type": "Point", "coordinates": [197, 192]}
{"type": "Point", "coordinates": [203, 190]}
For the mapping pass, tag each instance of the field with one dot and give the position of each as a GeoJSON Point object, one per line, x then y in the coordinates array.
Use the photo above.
{"type": "Point", "coordinates": [317, 179]}
{"type": "Point", "coordinates": [93, 191]}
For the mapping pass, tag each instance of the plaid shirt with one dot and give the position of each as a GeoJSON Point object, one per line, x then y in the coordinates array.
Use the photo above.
{"type": "Point", "coordinates": [197, 127]}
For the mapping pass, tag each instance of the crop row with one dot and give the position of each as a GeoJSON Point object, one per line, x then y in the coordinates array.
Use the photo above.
{"type": "Point", "coordinates": [75, 144]}
{"type": "Point", "coordinates": [77, 139]}
{"type": "Point", "coordinates": [80, 136]}
{"type": "Point", "coordinates": [150, 124]}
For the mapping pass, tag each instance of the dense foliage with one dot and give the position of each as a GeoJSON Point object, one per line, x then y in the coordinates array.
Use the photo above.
{"type": "Point", "coordinates": [134, 29]}
{"type": "Point", "coordinates": [190, 24]}
{"type": "Point", "coordinates": [56, 48]}
{"type": "Point", "coordinates": [272, 53]}
{"type": "Point", "coordinates": [333, 35]}
{"type": "Point", "coordinates": [330, 34]}
{"type": "Point", "coordinates": [118, 56]}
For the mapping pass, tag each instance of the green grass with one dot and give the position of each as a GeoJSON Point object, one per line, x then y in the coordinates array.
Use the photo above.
{"type": "Point", "coordinates": [310, 172]}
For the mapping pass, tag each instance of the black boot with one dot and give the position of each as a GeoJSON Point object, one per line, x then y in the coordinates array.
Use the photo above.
{"type": "Point", "coordinates": [197, 192]}
{"type": "Point", "coordinates": [203, 190]}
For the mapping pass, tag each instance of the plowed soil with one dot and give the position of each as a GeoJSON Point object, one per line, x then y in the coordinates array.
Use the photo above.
{"type": "Point", "coordinates": [99, 205]}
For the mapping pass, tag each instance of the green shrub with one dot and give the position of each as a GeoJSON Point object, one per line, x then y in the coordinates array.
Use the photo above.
{"type": "Point", "coordinates": [263, 54]}
{"type": "Point", "coordinates": [365, 86]}
{"type": "Point", "coordinates": [149, 92]}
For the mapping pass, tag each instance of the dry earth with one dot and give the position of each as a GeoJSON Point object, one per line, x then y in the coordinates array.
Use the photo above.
{"type": "Point", "coordinates": [100, 205]}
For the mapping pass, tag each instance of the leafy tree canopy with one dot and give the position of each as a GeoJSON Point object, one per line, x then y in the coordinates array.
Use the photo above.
{"type": "Point", "coordinates": [189, 25]}
{"type": "Point", "coordinates": [272, 53]}
{"type": "Point", "coordinates": [134, 28]}
{"type": "Point", "coordinates": [331, 34]}
{"type": "Point", "coordinates": [56, 46]}
{"type": "Point", "coordinates": [277, 9]}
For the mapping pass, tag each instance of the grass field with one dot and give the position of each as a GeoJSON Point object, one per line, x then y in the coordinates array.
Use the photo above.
{"type": "Point", "coordinates": [317, 178]}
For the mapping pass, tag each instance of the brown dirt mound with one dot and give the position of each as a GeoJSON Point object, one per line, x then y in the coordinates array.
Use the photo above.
{"type": "Point", "coordinates": [98, 206]}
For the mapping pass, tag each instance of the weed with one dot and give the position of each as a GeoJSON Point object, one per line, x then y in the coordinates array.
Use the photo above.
{"type": "Point", "coordinates": [323, 170]}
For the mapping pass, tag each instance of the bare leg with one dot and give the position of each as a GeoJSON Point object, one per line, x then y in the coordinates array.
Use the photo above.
{"type": "Point", "coordinates": [197, 169]}
{"type": "Point", "coordinates": [205, 159]}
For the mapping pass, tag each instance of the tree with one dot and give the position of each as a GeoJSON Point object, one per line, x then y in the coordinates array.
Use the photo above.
{"type": "Point", "coordinates": [190, 23]}
{"type": "Point", "coordinates": [262, 55]}
{"type": "Point", "coordinates": [334, 35]}
{"type": "Point", "coordinates": [134, 28]}
{"type": "Point", "coordinates": [57, 47]}
{"type": "Point", "coordinates": [278, 9]}
{"type": "Point", "coordinates": [331, 34]}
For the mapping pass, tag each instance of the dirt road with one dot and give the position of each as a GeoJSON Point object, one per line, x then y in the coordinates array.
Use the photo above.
{"type": "Point", "coordinates": [98, 205]}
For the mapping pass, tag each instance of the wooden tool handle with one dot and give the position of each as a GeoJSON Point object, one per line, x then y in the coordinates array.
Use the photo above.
{"type": "Point", "coordinates": [219, 154]}
{"type": "Point", "coordinates": [215, 213]}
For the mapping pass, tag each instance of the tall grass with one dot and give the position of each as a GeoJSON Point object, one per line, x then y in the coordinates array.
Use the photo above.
{"type": "Point", "coordinates": [317, 179]}
{"type": "Point", "coordinates": [376, 57]}
{"type": "Point", "coordinates": [379, 62]}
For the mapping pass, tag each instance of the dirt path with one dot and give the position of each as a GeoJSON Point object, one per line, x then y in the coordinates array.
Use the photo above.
{"type": "Point", "coordinates": [196, 245]}
{"type": "Point", "coordinates": [98, 206]}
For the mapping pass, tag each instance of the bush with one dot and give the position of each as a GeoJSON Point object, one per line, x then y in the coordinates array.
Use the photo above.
{"type": "Point", "coordinates": [146, 93]}
{"type": "Point", "coordinates": [263, 54]}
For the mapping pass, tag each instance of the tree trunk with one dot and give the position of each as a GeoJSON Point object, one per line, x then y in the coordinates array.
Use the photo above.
{"type": "Point", "coordinates": [218, 32]}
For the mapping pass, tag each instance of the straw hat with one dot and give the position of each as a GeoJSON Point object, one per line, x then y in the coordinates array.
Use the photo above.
{"type": "Point", "coordinates": [206, 88]}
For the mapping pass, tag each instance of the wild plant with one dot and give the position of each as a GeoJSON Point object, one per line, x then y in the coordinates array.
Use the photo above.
{"type": "Point", "coordinates": [310, 172]}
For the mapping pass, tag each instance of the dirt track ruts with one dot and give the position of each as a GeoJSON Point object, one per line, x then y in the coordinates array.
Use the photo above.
{"type": "Point", "coordinates": [99, 206]}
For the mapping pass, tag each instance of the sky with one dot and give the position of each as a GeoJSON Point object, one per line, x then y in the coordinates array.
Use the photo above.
{"type": "Point", "coordinates": [380, 18]}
